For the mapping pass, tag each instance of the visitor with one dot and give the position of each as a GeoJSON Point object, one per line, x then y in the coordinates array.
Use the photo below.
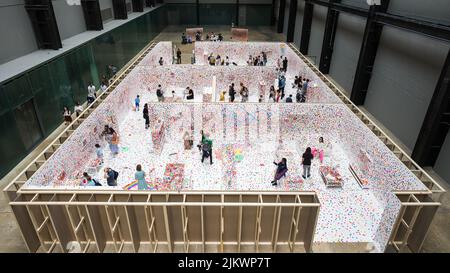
{"type": "Point", "coordinates": [232, 92]}
{"type": "Point", "coordinates": [137, 101]}
{"type": "Point", "coordinates": [112, 70]}
{"type": "Point", "coordinates": [222, 96]}
{"type": "Point", "coordinates": [198, 36]}
{"type": "Point", "coordinates": [272, 94]}
{"type": "Point", "coordinates": [78, 108]}
{"type": "Point", "coordinates": [298, 96]}
{"type": "Point", "coordinates": [280, 172]}
{"type": "Point", "coordinates": [91, 93]}
{"type": "Point", "coordinates": [139, 175]}
{"type": "Point", "coordinates": [67, 115]}
{"type": "Point", "coordinates": [99, 153]}
{"type": "Point", "coordinates": [112, 139]}
{"type": "Point", "coordinates": [244, 93]}
{"type": "Point", "coordinates": [218, 60]}
{"type": "Point", "coordinates": [285, 64]}
{"type": "Point", "coordinates": [305, 87]}
{"type": "Point", "coordinates": [319, 150]}
{"type": "Point", "coordinates": [289, 99]}
{"type": "Point", "coordinates": [178, 56]}
{"type": "Point", "coordinates": [279, 62]}
{"type": "Point", "coordinates": [264, 58]}
{"type": "Point", "coordinates": [104, 81]}
{"type": "Point", "coordinates": [103, 87]}
{"type": "Point", "coordinates": [212, 60]}
{"type": "Point", "coordinates": [188, 141]}
{"type": "Point", "coordinates": [207, 36]}
{"type": "Point", "coordinates": [220, 37]}
{"type": "Point", "coordinates": [146, 116]}
{"type": "Point", "coordinates": [111, 177]}
{"type": "Point", "coordinates": [105, 131]}
{"type": "Point", "coordinates": [160, 94]}
{"type": "Point", "coordinates": [189, 39]}
{"type": "Point", "coordinates": [256, 61]}
{"type": "Point", "coordinates": [260, 98]}
{"type": "Point", "coordinates": [161, 61]}
{"type": "Point", "coordinates": [183, 39]}
{"type": "Point", "coordinates": [199, 146]}
{"type": "Point", "coordinates": [306, 161]}
{"type": "Point", "coordinates": [250, 60]}
{"type": "Point", "coordinates": [89, 181]}
{"type": "Point", "coordinates": [295, 83]}
{"type": "Point", "coordinates": [282, 85]}
{"type": "Point", "coordinates": [278, 95]}
{"type": "Point", "coordinates": [207, 149]}
{"type": "Point", "coordinates": [190, 95]}
{"type": "Point", "coordinates": [227, 61]}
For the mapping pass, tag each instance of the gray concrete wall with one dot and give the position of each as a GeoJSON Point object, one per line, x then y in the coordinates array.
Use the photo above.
{"type": "Point", "coordinates": [299, 23]}
{"type": "Point", "coordinates": [16, 31]}
{"type": "Point", "coordinates": [431, 10]}
{"type": "Point", "coordinates": [286, 17]}
{"type": "Point", "coordinates": [406, 70]}
{"type": "Point", "coordinates": [443, 161]}
{"type": "Point", "coordinates": [317, 31]}
{"type": "Point", "coordinates": [70, 19]}
{"type": "Point", "coordinates": [347, 44]}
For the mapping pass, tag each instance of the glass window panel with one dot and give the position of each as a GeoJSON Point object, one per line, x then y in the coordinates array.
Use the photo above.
{"type": "Point", "coordinates": [18, 90]}
{"type": "Point", "coordinates": [27, 124]}
{"type": "Point", "coordinates": [11, 146]}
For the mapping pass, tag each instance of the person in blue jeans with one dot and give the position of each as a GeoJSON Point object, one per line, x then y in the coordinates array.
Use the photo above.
{"type": "Point", "coordinates": [140, 177]}
{"type": "Point", "coordinates": [137, 100]}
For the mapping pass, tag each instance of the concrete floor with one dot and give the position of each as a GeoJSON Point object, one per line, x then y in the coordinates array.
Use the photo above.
{"type": "Point", "coordinates": [438, 239]}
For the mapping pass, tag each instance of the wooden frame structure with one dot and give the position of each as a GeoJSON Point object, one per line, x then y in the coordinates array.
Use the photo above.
{"type": "Point", "coordinates": [116, 221]}
{"type": "Point", "coordinates": [167, 221]}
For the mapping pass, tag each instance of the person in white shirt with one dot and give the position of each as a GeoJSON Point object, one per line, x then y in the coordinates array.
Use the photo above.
{"type": "Point", "coordinates": [103, 87]}
{"type": "Point", "coordinates": [91, 93]}
{"type": "Point", "coordinates": [78, 108]}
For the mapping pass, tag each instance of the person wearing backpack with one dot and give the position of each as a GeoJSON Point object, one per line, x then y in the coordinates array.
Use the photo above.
{"type": "Point", "coordinates": [111, 177]}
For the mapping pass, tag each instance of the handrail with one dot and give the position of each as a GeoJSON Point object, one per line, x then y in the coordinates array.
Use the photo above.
{"type": "Point", "coordinates": [117, 78]}
{"type": "Point", "coordinates": [348, 101]}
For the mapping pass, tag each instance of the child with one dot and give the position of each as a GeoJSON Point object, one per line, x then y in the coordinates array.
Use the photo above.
{"type": "Point", "coordinates": [306, 161]}
{"type": "Point", "coordinates": [99, 152]}
{"type": "Point", "coordinates": [222, 96]}
{"type": "Point", "coordinates": [137, 100]}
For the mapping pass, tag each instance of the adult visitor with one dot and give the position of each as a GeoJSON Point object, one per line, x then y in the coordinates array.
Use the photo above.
{"type": "Point", "coordinates": [78, 108]}
{"type": "Point", "coordinates": [306, 162]}
{"type": "Point", "coordinates": [272, 94]}
{"type": "Point", "coordinates": [281, 171]}
{"type": "Point", "coordinates": [285, 64]}
{"type": "Point", "coordinates": [160, 94]}
{"type": "Point", "coordinates": [244, 93]}
{"type": "Point", "coordinates": [190, 95]}
{"type": "Point", "coordinates": [91, 93]}
{"type": "Point", "coordinates": [146, 116]}
{"type": "Point", "coordinates": [207, 149]}
{"type": "Point", "coordinates": [161, 61]}
{"type": "Point", "coordinates": [111, 176]}
{"type": "Point", "coordinates": [231, 92]}
{"type": "Point", "coordinates": [67, 115]}
{"type": "Point", "coordinates": [178, 56]}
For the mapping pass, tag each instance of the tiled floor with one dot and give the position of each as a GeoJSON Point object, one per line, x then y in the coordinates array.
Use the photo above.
{"type": "Point", "coordinates": [438, 239]}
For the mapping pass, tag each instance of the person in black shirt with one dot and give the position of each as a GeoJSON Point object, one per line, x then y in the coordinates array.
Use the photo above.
{"type": "Point", "coordinates": [281, 171]}
{"type": "Point", "coordinates": [289, 99]}
{"type": "Point", "coordinates": [190, 95]}
{"type": "Point", "coordinates": [285, 64]}
{"type": "Point", "coordinates": [306, 161]}
{"type": "Point", "coordinates": [178, 56]}
{"type": "Point", "coordinates": [146, 116]}
{"type": "Point", "coordinates": [231, 92]}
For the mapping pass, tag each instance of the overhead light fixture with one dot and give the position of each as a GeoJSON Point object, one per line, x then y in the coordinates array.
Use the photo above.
{"type": "Point", "coordinates": [73, 2]}
{"type": "Point", "coordinates": [373, 2]}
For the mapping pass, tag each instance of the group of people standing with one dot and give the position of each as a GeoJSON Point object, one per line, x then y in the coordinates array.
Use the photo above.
{"type": "Point", "coordinates": [307, 157]}
{"type": "Point", "coordinates": [218, 60]}
{"type": "Point", "coordinates": [243, 92]}
{"type": "Point", "coordinates": [260, 60]}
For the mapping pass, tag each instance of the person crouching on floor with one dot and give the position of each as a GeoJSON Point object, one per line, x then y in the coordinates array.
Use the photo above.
{"type": "Point", "coordinates": [281, 171]}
